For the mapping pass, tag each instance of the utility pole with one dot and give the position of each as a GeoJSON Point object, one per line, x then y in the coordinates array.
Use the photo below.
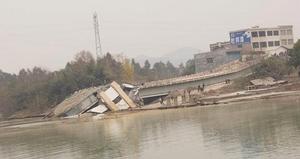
{"type": "Point", "coordinates": [97, 36]}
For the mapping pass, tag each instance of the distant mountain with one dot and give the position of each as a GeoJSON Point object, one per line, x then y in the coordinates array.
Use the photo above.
{"type": "Point", "coordinates": [175, 57]}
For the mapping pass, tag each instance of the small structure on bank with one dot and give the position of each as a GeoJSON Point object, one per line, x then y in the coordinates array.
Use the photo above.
{"type": "Point", "coordinates": [172, 98]}
{"type": "Point", "coordinates": [179, 97]}
{"type": "Point", "coordinates": [94, 100]}
{"type": "Point", "coordinates": [265, 83]}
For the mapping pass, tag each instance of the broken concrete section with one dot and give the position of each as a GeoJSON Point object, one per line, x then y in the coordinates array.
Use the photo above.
{"type": "Point", "coordinates": [109, 104]}
{"type": "Point", "coordinates": [122, 94]}
{"type": "Point", "coordinates": [94, 100]}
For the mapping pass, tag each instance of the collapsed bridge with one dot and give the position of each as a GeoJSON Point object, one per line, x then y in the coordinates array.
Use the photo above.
{"type": "Point", "coordinates": [152, 90]}
{"type": "Point", "coordinates": [94, 100]}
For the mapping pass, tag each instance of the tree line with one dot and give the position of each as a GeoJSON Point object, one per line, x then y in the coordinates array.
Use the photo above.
{"type": "Point", "coordinates": [37, 90]}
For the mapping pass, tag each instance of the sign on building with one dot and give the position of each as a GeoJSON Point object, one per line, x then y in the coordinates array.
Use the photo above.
{"type": "Point", "coordinates": [240, 37]}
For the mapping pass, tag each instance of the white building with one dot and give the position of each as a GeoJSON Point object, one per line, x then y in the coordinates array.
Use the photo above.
{"type": "Point", "coordinates": [264, 39]}
{"type": "Point", "coordinates": [280, 51]}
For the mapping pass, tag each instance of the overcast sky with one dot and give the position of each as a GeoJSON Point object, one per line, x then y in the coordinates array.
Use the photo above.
{"type": "Point", "coordinates": [49, 33]}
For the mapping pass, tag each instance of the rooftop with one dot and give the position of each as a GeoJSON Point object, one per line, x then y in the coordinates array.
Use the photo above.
{"type": "Point", "coordinates": [263, 28]}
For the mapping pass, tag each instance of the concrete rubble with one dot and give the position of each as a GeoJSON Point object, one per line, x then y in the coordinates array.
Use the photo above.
{"type": "Point", "coordinates": [94, 101]}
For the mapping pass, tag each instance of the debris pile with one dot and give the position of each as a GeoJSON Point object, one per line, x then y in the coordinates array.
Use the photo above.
{"type": "Point", "coordinates": [94, 101]}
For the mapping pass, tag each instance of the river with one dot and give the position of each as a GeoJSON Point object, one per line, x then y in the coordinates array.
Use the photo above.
{"type": "Point", "coordinates": [268, 128]}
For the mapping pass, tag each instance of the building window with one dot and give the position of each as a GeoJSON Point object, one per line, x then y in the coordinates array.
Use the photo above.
{"type": "Point", "coordinates": [263, 44]}
{"type": "Point", "coordinates": [283, 42]}
{"type": "Point", "coordinates": [255, 45]}
{"type": "Point", "coordinates": [282, 32]}
{"type": "Point", "coordinates": [276, 33]}
{"type": "Point", "coordinates": [277, 43]}
{"type": "Point", "coordinates": [237, 39]}
{"type": "Point", "coordinates": [290, 41]}
{"type": "Point", "coordinates": [210, 60]}
{"type": "Point", "coordinates": [254, 34]}
{"type": "Point", "coordinates": [271, 43]}
{"type": "Point", "coordinates": [241, 39]}
{"type": "Point", "coordinates": [262, 33]}
{"type": "Point", "coordinates": [289, 32]}
{"type": "Point", "coordinates": [270, 33]}
{"type": "Point", "coordinates": [232, 40]}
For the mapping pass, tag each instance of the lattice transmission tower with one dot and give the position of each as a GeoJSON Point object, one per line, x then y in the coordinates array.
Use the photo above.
{"type": "Point", "coordinates": [97, 36]}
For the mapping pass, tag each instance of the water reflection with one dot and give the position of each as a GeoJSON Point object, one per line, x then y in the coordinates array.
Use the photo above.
{"type": "Point", "coordinates": [257, 129]}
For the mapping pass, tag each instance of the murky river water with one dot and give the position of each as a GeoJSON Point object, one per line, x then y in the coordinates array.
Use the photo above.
{"type": "Point", "coordinates": [256, 129]}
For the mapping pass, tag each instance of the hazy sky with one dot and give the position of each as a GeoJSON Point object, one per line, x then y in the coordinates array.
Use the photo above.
{"type": "Point", "coordinates": [49, 33]}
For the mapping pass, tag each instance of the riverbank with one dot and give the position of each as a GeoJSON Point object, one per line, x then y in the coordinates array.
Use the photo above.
{"type": "Point", "coordinates": [212, 101]}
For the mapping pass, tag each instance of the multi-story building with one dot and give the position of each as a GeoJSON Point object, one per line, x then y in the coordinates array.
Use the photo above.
{"type": "Point", "coordinates": [264, 39]}
{"type": "Point", "coordinates": [244, 43]}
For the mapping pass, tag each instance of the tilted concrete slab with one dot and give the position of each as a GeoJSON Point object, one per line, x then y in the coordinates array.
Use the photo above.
{"type": "Point", "coordinates": [123, 95]}
{"type": "Point", "coordinates": [111, 105]}
{"type": "Point", "coordinates": [75, 100]}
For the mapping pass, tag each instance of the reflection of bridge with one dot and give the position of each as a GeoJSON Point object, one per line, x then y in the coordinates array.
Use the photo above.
{"type": "Point", "coordinates": [230, 71]}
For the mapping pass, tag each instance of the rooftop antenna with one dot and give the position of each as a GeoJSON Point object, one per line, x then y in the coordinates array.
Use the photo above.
{"type": "Point", "coordinates": [97, 36]}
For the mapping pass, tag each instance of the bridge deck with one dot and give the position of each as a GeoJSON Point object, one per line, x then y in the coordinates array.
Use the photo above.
{"type": "Point", "coordinates": [232, 67]}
